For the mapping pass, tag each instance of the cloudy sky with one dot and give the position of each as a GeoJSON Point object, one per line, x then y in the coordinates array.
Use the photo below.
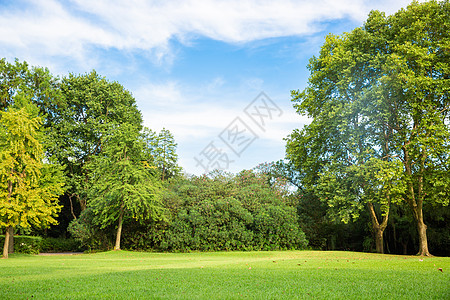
{"type": "Point", "coordinates": [217, 74]}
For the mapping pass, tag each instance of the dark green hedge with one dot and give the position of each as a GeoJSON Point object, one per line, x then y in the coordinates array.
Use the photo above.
{"type": "Point", "coordinates": [25, 244]}
{"type": "Point", "coordinates": [60, 245]}
{"type": "Point", "coordinates": [35, 244]}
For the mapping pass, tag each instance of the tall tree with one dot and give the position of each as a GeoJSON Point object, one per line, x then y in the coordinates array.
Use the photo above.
{"type": "Point", "coordinates": [93, 105]}
{"type": "Point", "coordinates": [344, 136]}
{"type": "Point", "coordinates": [123, 185]}
{"type": "Point", "coordinates": [20, 82]}
{"type": "Point", "coordinates": [380, 91]}
{"type": "Point", "coordinates": [413, 100]}
{"type": "Point", "coordinates": [162, 149]}
{"type": "Point", "coordinates": [29, 189]}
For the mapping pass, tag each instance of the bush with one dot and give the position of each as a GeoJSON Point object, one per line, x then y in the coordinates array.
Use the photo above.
{"type": "Point", "coordinates": [276, 228]}
{"type": "Point", "coordinates": [222, 224]}
{"type": "Point", "coordinates": [25, 244]}
{"type": "Point", "coordinates": [220, 213]}
{"type": "Point", "coordinates": [89, 235]}
{"type": "Point", "coordinates": [60, 245]}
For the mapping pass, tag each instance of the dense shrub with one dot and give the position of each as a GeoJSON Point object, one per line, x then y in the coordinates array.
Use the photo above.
{"type": "Point", "coordinates": [222, 224]}
{"type": "Point", "coordinates": [60, 245]}
{"type": "Point", "coordinates": [276, 228]}
{"type": "Point", "coordinates": [221, 212]}
{"type": "Point", "coordinates": [89, 235]}
{"type": "Point", "coordinates": [25, 244]}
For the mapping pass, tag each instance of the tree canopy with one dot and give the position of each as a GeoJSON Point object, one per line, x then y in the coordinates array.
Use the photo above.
{"type": "Point", "coordinates": [376, 152]}
{"type": "Point", "coordinates": [123, 186]}
{"type": "Point", "coordinates": [379, 92]}
{"type": "Point", "coordinates": [29, 189]}
{"type": "Point", "coordinates": [92, 106]}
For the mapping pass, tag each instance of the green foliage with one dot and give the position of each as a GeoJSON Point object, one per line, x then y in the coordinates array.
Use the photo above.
{"type": "Point", "coordinates": [346, 190]}
{"type": "Point", "coordinates": [92, 108]}
{"type": "Point", "coordinates": [25, 244]}
{"type": "Point", "coordinates": [36, 244]}
{"type": "Point", "coordinates": [49, 245]}
{"type": "Point", "coordinates": [221, 212]}
{"type": "Point", "coordinates": [210, 226]}
{"type": "Point", "coordinates": [29, 189]}
{"type": "Point", "coordinates": [123, 186]}
{"type": "Point", "coordinates": [276, 227]}
{"type": "Point", "coordinates": [18, 81]}
{"type": "Point", "coordinates": [161, 152]}
{"type": "Point", "coordinates": [378, 99]}
{"type": "Point", "coordinates": [89, 235]}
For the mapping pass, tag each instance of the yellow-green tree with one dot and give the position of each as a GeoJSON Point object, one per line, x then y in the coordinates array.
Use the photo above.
{"type": "Point", "coordinates": [29, 188]}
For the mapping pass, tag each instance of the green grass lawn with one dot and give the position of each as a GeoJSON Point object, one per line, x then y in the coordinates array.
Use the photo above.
{"type": "Point", "coordinates": [225, 275]}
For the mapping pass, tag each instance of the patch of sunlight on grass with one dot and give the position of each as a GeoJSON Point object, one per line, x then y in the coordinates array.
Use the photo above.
{"type": "Point", "coordinates": [218, 275]}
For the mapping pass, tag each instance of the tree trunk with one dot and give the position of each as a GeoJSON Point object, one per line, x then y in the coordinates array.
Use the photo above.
{"type": "Point", "coordinates": [378, 229]}
{"type": "Point", "coordinates": [119, 228]}
{"type": "Point", "coordinates": [6, 245]}
{"type": "Point", "coordinates": [83, 204]}
{"type": "Point", "coordinates": [421, 227]}
{"type": "Point", "coordinates": [11, 240]}
{"type": "Point", "coordinates": [71, 206]}
{"type": "Point", "coordinates": [405, 248]}
{"type": "Point", "coordinates": [416, 201]}
{"type": "Point", "coordinates": [423, 243]}
{"type": "Point", "coordinates": [9, 229]}
{"type": "Point", "coordinates": [379, 240]}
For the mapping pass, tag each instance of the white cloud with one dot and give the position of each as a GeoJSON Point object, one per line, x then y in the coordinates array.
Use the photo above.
{"type": "Point", "coordinates": [162, 95]}
{"type": "Point", "coordinates": [195, 119]}
{"type": "Point", "coordinates": [189, 114]}
{"type": "Point", "coordinates": [178, 108]}
{"type": "Point", "coordinates": [66, 36]}
{"type": "Point", "coordinates": [71, 30]}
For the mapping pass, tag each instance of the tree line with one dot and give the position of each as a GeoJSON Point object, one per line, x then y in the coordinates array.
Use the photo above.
{"type": "Point", "coordinates": [74, 143]}
{"type": "Point", "coordinates": [373, 160]}
{"type": "Point", "coordinates": [74, 152]}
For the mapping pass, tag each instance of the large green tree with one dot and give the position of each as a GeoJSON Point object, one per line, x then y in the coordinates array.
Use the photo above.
{"type": "Point", "coordinates": [92, 106]}
{"type": "Point", "coordinates": [413, 100]}
{"type": "Point", "coordinates": [380, 92]}
{"type": "Point", "coordinates": [29, 188]}
{"type": "Point", "coordinates": [123, 184]}
{"type": "Point", "coordinates": [344, 137]}
{"type": "Point", "coordinates": [19, 82]}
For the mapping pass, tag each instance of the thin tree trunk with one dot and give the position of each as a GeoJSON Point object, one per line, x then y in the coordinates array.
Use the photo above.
{"type": "Point", "coordinates": [83, 204]}
{"type": "Point", "coordinates": [6, 244]}
{"type": "Point", "coordinates": [71, 206]}
{"type": "Point", "coordinates": [405, 247]}
{"type": "Point", "coordinates": [417, 210]}
{"type": "Point", "coordinates": [11, 240]}
{"type": "Point", "coordinates": [119, 229]}
{"type": "Point", "coordinates": [9, 228]}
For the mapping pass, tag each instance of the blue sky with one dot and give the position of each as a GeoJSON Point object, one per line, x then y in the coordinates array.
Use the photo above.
{"type": "Point", "coordinates": [195, 67]}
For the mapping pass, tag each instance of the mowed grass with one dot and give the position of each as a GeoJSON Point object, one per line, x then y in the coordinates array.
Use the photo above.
{"type": "Point", "coordinates": [225, 275]}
